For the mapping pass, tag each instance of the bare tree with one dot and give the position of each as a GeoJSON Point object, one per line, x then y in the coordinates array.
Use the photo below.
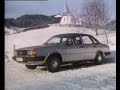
{"type": "Point", "coordinates": [95, 14]}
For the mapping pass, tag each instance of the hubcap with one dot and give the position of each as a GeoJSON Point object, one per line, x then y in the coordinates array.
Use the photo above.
{"type": "Point", "coordinates": [99, 58]}
{"type": "Point", "coordinates": [54, 63]}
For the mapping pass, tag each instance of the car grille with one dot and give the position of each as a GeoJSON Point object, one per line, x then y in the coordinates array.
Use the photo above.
{"type": "Point", "coordinates": [21, 52]}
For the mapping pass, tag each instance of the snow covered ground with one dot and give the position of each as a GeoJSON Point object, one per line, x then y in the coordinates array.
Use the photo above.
{"type": "Point", "coordinates": [82, 77]}
{"type": "Point", "coordinates": [13, 30]}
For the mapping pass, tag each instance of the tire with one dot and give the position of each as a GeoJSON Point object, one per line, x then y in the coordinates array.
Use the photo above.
{"type": "Point", "coordinates": [99, 59]}
{"type": "Point", "coordinates": [31, 66]}
{"type": "Point", "coordinates": [53, 64]}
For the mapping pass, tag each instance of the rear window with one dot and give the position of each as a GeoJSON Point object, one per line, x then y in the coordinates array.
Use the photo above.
{"type": "Point", "coordinates": [86, 40]}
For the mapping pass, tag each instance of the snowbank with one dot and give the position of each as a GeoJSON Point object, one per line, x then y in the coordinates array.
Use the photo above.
{"type": "Point", "coordinates": [13, 30]}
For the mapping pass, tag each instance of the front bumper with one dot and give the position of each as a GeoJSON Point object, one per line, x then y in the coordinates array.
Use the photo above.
{"type": "Point", "coordinates": [31, 60]}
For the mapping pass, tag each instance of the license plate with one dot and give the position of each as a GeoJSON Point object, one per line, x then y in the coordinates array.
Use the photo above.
{"type": "Point", "coordinates": [19, 59]}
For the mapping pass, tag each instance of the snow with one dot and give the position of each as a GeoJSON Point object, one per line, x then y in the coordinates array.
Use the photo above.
{"type": "Point", "coordinates": [57, 16]}
{"type": "Point", "coordinates": [83, 77]}
{"type": "Point", "coordinates": [9, 31]}
{"type": "Point", "coordinates": [101, 77]}
{"type": "Point", "coordinates": [13, 30]}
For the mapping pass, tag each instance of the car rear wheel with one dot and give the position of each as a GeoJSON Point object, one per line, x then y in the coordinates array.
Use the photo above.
{"type": "Point", "coordinates": [53, 64]}
{"type": "Point", "coordinates": [99, 58]}
{"type": "Point", "coordinates": [31, 66]}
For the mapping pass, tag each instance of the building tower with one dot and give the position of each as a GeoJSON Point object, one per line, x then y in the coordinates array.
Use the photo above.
{"type": "Point", "coordinates": [67, 17]}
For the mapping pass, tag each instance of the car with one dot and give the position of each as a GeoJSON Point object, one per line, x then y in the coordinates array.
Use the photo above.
{"type": "Point", "coordinates": [61, 49]}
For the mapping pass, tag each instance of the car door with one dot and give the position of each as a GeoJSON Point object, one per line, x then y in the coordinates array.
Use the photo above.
{"type": "Point", "coordinates": [74, 50]}
{"type": "Point", "coordinates": [89, 47]}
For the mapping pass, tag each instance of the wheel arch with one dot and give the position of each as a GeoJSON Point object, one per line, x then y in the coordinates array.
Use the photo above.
{"type": "Point", "coordinates": [53, 54]}
{"type": "Point", "coordinates": [100, 51]}
{"type": "Point", "coordinates": [97, 61]}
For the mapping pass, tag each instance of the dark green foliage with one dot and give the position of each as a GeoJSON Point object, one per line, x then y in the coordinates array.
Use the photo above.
{"type": "Point", "coordinates": [31, 20]}
{"type": "Point", "coordinates": [9, 22]}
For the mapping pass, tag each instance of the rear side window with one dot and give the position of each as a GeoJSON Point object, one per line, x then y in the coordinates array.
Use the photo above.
{"type": "Point", "coordinates": [86, 40]}
{"type": "Point", "coordinates": [94, 40]}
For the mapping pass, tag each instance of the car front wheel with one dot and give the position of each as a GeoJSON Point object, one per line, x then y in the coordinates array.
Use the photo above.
{"type": "Point", "coordinates": [99, 58]}
{"type": "Point", "coordinates": [53, 64]}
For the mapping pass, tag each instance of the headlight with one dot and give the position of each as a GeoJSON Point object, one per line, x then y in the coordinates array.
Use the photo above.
{"type": "Point", "coordinates": [33, 53]}
{"type": "Point", "coordinates": [29, 52]}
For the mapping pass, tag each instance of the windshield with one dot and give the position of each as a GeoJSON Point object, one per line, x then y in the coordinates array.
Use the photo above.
{"type": "Point", "coordinates": [53, 40]}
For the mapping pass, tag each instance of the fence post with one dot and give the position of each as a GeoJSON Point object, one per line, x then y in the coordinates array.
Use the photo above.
{"type": "Point", "coordinates": [106, 37]}
{"type": "Point", "coordinates": [14, 49]}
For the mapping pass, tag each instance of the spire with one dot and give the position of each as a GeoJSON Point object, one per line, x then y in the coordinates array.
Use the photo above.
{"type": "Point", "coordinates": [67, 18]}
{"type": "Point", "coordinates": [67, 11]}
{"type": "Point", "coordinates": [66, 5]}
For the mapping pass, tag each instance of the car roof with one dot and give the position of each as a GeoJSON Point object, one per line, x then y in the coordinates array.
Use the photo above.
{"type": "Point", "coordinates": [70, 34]}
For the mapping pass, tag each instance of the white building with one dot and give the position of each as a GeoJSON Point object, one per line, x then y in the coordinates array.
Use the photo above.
{"type": "Point", "coordinates": [68, 18]}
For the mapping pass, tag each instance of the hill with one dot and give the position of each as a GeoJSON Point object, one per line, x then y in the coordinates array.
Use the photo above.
{"type": "Point", "coordinates": [25, 21]}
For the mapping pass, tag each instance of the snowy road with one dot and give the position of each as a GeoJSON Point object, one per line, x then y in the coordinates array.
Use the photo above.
{"type": "Point", "coordinates": [82, 77]}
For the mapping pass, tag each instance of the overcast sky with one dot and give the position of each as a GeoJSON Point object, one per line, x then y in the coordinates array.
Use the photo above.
{"type": "Point", "coordinates": [16, 8]}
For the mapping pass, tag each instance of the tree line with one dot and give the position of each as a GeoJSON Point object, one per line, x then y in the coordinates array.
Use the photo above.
{"type": "Point", "coordinates": [31, 20]}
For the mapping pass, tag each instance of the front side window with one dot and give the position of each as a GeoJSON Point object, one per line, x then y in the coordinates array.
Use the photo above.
{"type": "Point", "coordinates": [53, 40]}
{"type": "Point", "coordinates": [73, 40]}
{"type": "Point", "coordinates": [70, 41]}
{"type": "Point", "coordinates": [86, 40]}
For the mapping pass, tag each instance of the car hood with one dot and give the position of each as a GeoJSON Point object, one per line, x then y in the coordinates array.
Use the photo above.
{"type": "Point", "coordinates": [34, 47]}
